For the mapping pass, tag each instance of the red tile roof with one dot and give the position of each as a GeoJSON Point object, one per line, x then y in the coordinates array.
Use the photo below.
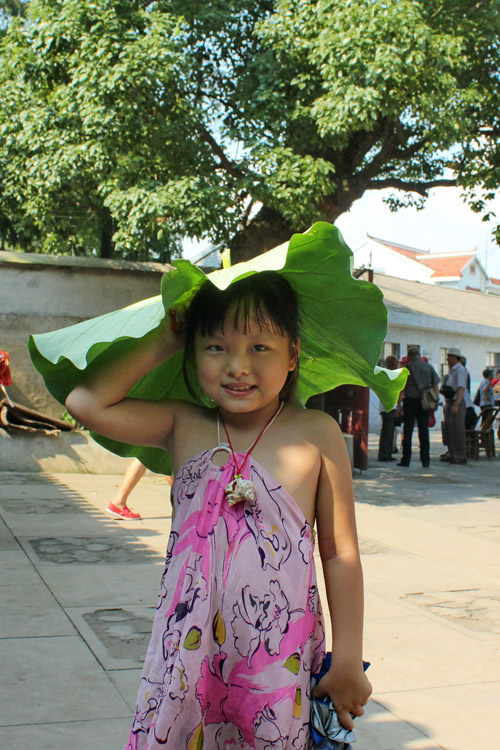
{"type": "Point", "coordinates": [450, 266]}
{"type": "Point", "coordinates": [495, 281]}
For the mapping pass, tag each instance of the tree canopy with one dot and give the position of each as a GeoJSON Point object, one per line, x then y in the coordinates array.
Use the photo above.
{"type": "Point", "coordinates": [126, 125]}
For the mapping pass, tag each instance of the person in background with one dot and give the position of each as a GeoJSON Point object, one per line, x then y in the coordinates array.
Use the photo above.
{"type": "Point", "coordinates": [486, 394]}
{"type": "Point", "coordinates": [386, 439]}
{"type": "Point", "coordinates": [422, 376]}
{"type": "Point", "coordinates": [118, 506]}
{"type": "Point", "coordinates": [470, 412]}
{"type": "Point", "coordinates": [454, 411]}
{"type": "Point", "coordinates": [496, 389]}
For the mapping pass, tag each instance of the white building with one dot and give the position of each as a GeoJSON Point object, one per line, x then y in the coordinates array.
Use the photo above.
{"type": "Point", "coordinates": [461, 270]}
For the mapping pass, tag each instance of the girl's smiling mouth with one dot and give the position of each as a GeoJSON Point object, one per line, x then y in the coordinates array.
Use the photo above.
{"type": "Point", "coordinates": [238, 387]}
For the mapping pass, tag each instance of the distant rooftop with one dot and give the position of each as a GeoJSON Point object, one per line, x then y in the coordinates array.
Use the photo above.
{"type": "Point", "coordinates": [450, 265]}
{"type": "Point", "coordinates": [440, 302]}
{"type": "Point", "coordinates": [410, 252]}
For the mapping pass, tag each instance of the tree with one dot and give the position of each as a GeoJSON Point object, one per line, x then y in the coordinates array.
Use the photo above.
{"type": "Point", "coordinates": [125, 125]}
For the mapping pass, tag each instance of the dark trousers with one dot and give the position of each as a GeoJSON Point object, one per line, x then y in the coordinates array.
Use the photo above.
{"type": "Point", "coordinates": [386, 439]}
{"type": "Point", "coordinates": [470, 418]}
{"type": "Point", "coordinates": [485, 412]}
{"type": "Point", "coordinates": [455, 430]}
{"type": "Point", "coordinates": [412, 410]}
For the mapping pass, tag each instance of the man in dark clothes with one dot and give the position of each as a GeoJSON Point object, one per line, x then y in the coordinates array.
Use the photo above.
{"type": "Point", "coordinates": [422, 376]}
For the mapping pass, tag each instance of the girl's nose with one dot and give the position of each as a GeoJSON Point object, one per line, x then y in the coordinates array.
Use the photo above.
{"type": "Point", "coordinates": [237, 365]}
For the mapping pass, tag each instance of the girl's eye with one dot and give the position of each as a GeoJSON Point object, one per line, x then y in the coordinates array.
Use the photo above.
{"type": "Point", "coordinates": [214, 348]}
{"type": "Point", "coordinates": [261, 348]}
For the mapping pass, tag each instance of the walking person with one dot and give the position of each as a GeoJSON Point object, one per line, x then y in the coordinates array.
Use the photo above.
{"type": "Point", "coordinates": [118, 507]}
{"type": "Point", "coordinates": [387, 430]}
{"type": "Point", "coordinates": [422, 376]}
{"type": "Point", "coordinates": [453, 390]}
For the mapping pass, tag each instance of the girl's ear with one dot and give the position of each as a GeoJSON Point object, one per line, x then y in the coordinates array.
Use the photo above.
{"type": "Point", "coordinates": [294, 355]}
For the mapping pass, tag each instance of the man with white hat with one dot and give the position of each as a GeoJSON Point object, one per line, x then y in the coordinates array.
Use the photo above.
{"type": "Point", "coordinates": [454, 410]}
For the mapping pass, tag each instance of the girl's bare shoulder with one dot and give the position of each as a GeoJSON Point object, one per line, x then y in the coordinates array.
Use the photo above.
{"type": "Point", "coordinates": [316, 426]}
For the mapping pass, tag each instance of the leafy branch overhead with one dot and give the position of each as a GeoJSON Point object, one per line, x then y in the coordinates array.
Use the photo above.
{"type": "Point", "coordinates": [125, 126]}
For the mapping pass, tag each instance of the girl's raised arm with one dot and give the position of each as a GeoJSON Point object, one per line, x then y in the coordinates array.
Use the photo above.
{"type": "Point", "coordinates": [346, 682]}
{"type": "Point", "coordinates": [100, 403]}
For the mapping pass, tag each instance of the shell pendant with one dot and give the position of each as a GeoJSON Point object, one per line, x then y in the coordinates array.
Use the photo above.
{"type": "Point", "coordinates": [239, 490]}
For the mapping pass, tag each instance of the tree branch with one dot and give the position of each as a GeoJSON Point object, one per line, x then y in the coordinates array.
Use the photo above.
{"type": "Point", "coordinates": [394, 147]}
{"type": "Point", "coordinates": [409, 186]}
{"type": "Point", "coordinates": [224, 162]}
{"type": "Point", "coordinates": [478, 6]}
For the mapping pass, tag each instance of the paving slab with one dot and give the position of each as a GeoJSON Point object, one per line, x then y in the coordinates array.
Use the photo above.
{"type": "Point", "coordinates": [459, 717]}
{"type": "Point", "coordinates": [105, 734]}
{"type": "Point", "coordinates": [381, 729]}
{"type": "Point", "coordinates": [62, 666]}
{"type": "Point", "coordinates": [117, 636]}
{"type": "Point", "coordinates": [127, 683]}
{"type": "Point", "coordinates": [31, 610]}
{"type": "Point", "coordinates": [103, 585]}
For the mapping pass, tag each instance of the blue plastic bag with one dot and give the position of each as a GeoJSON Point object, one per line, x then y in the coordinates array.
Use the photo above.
{"type": "Point", "coordinates": [327, 732]}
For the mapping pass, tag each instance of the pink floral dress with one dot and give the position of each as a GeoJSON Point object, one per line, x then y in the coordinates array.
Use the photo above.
{"type": "Point", "coordinates": [238, 628]}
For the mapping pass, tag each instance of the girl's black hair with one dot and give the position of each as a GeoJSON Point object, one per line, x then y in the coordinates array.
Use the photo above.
{"type": "Point", "coordinates": [265, 297]}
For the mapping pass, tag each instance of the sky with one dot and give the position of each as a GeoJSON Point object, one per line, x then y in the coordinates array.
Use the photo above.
{"type": "Point", "coordinates": [445, 225]}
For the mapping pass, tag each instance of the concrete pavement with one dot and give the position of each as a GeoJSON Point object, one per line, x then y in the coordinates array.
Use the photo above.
{"type": "Point", "coordinates": [78, 591]}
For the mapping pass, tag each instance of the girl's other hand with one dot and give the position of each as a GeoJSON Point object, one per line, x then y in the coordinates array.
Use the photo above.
{"type": "Point", "coordinates": [348, 688]}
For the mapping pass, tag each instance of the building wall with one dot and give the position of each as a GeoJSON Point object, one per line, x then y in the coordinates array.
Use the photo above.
{"type": "Point", "coordinates": [384, 260]}
{"type": "Point", "coordinates": [469, 279]}
{"type": "Point", "coordinates": [474, 348]}
{"type": "Point", "coordinates": [40, 297]}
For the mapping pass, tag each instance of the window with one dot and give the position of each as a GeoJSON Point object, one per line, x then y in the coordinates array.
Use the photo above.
{"type": "Point", "coordinates": [390, 348]}
{"type": "Point", "coordinates": [493, 360]}
{"type": "Point", "coordinates": [472, 269]}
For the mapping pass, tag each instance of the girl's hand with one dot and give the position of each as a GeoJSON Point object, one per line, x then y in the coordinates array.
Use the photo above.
{"type": "Point", "coordinates": [348, 688]}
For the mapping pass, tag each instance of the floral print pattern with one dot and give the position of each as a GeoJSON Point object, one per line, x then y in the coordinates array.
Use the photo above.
{"type": "Point", "coordinates": [259, 621]}
{"type": "Point", "coordinates": [238, 628]}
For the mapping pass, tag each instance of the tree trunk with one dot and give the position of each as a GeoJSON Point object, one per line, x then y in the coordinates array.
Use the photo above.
{"type": "Point", "coordinates": [269, 228]}
{"type": "Point", "coordinates": [106, 247]}
{"type": "Point", "coordinates": [265, 231]}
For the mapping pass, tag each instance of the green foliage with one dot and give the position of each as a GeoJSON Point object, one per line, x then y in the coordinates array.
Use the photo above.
{"type": "Point", "coordinates": [125, 124]}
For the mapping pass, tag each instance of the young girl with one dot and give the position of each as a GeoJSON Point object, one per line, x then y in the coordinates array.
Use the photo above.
{"type": "Point", "coordinates": [239, 629]}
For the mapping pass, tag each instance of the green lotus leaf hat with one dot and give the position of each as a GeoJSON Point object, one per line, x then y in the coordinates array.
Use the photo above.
{"type": "Point", "coordinates": [344, 323]}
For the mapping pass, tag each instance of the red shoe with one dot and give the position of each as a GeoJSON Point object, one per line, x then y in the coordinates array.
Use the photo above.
{"type": "Point", "coordinates": [124, 513]}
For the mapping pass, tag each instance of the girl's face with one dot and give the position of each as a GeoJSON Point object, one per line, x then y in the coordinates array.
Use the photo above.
{"type": "Point", "coordinates": [244, 371]}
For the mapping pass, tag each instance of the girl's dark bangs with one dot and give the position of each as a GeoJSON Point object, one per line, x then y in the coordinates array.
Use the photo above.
{"type": "Point", "coordinates": [250, 305]}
